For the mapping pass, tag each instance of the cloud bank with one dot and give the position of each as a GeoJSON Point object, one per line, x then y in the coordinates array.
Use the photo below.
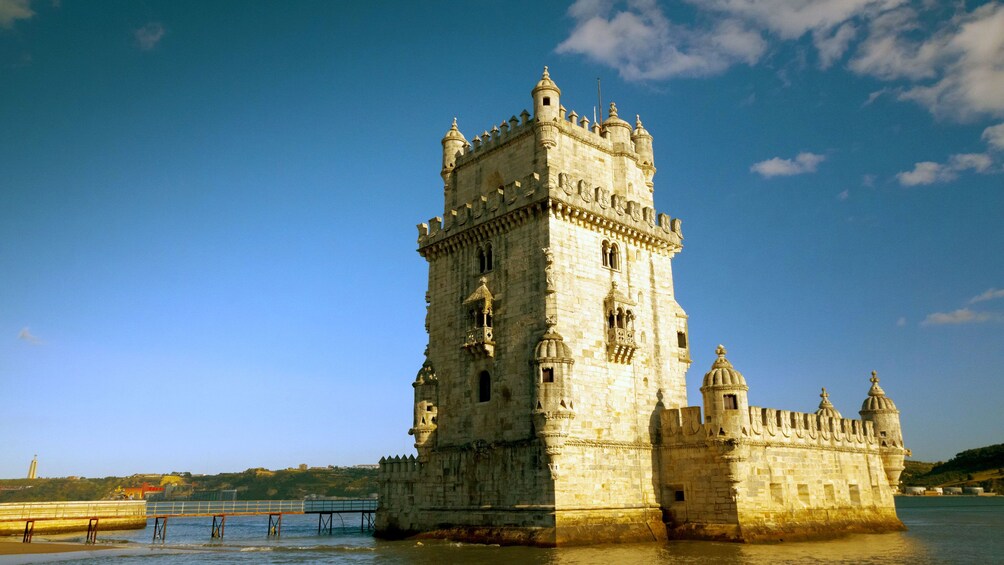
{"type": "Point", "coordinates": [14, 10]}
{"type": "Point", "coordinates": [950, 66]}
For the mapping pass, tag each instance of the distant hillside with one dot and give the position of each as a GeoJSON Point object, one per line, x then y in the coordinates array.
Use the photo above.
{"type": "Point", "coordinates": [983, 466]}
{"type": "Point", "coordinates": [253, 484]}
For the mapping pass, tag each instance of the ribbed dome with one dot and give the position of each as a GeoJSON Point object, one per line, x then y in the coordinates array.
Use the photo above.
{"type": "Point", "coordinates": [639, 130]}
{"type": "Point", "coordinates": [615, 120]}
{"type": "Point", "coordinates": [546, 83]}
{"type": "Point", "coordinates": [826, 407]}
{"type": "Point", "coordinates": [877, 400]}
{"type": "Point", "coordinates": [552, 347]}
{"type": "Point", "coordinates": [722, 374]}
{"type": "Point", "coordinates": [454, 133]}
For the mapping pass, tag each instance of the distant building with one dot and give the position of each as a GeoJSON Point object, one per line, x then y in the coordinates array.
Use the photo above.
{"type": "Point", "coordinates": [973, 490]}
{"type": "Point", "coordinates": [952, 490]}
{"type": "Point", "coordinates": [33, 468]}
{"type": "Point", "coordinates": [141, 492]}
{"type": "Point", "coordinates": [551, 408]}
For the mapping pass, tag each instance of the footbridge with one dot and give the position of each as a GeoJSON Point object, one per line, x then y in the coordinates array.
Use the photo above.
{"type": "Point", "coordinates": [69, 516]}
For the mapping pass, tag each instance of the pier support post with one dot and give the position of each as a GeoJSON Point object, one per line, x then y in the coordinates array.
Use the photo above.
{"type": "Point", "coordinates": [160, 528]}
{"type": "Point", "coordinates": [92, 531]}
{"type": "Point", "coordinates": [275, 525]}
{"type": "Point", "coordinates": [324, 522]}
{"type": "Point", "coordinates": [29, 530]}
{"type": "Point", "coordinates": [218, 527]}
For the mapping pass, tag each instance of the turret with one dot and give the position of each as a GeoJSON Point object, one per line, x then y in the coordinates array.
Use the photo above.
{"type": "Point", "coordinates": [553, 410]}
{"type": "Point", "coordinates": [725, 401]}
{"type": "Point", "coordinates": [826, 407]}
{"type": "Point", "coordinates": [617, 130]}
{"type": "Point", "coordinates": [546, 107]}
{"type": "Point", "coordinates": [881, 411]}
{"type": "Point", "coordinates": [426, 411]}
{"type": "Point", "coordinates": [454, 144]}
{"type": "Point", "coordinates": [643, 147]}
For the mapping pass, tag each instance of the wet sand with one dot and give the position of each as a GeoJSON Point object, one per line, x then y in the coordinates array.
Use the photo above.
{"type": "Point", "coordinates": [18, 548]}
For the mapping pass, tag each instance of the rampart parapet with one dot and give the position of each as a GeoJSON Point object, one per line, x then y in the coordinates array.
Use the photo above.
{"type": "Point", "coordinates": [685, 426]}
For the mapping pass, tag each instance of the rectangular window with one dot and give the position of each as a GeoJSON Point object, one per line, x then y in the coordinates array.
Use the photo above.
{"type": "Point", "coordinates": [831, 495]}
{"type": "Point", "coordinates": [547, 375]}
{"type": "Point", "coordinates": [803, 494]}
{"type": "Point", "coordinates": [678, 496]}
{"type": "Point", "coordinates": [777, 493]}
{"type": "Point", "coordinates": [855, 494]}
{"type": "Point", "coordinates": [681, 339]}
{"type": "Point", "coordinates": [731, 403]}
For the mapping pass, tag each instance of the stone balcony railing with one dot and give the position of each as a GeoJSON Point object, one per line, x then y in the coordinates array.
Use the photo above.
{"type": "Point", "coordinates": [621, 344]}
{"type": "Point", "coordinates": [480, 342]}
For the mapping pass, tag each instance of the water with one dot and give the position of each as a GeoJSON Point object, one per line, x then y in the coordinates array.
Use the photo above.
{"type": "Point", "coordinates": [941, 530]}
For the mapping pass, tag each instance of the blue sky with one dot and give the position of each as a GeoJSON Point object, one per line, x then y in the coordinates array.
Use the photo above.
{"type": "Point", "coordinates": [208, 209]}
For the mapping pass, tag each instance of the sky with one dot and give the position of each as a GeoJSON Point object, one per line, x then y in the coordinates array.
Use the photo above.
{"type": "Point", "coordinates": [208, 209]}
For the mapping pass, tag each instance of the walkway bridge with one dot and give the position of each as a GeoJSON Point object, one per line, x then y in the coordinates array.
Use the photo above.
{"type": "Point", "coordinates": [116, 511]}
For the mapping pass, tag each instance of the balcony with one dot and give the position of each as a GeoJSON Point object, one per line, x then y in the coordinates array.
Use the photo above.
{"type": "Point", "coordinates": [621, 345]}
{"type": "Point", "coordinates": [480, 342]}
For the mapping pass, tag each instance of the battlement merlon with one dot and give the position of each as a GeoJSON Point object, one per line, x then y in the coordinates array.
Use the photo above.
{"type": "Point", "coordinates": [568, 198]}
{"type": "Point", "coordinates": [685, 426]}
{"type": "Point", "coordinates": [611, 154]}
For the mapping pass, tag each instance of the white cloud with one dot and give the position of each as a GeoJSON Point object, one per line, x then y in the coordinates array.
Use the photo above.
{"type": "Point", "coordinates": [929, 172]}
{"type": "Point", "coordinates": [925, 172]}
{"type": "Point", "coordinates": [949, 66]}
{"type": "Point", "coordinates": [868, 180]}
{"type": "Point", "coordinates": [901, 322]}
{"type": "Point", "coordinates": [13, 10]}
{"type": "Point", "coordinates": [989, 294]}
{"type": "Point", "coordinates": [25, 335]}
{"type": "Point", "coordinates": [642, 44]}
{"type": "Point", "coordinates": [777, 167]}
{"type": "Point", "coordinates": [149, 35]}
{"type": "Point", "coordinates": [832, 47]}
{"type": "Point", "coordinates": [960, 316]}
{"type": "Point", "coordinates": [994, 136]}
{"type": "Point", "coordinates": [844, 195]}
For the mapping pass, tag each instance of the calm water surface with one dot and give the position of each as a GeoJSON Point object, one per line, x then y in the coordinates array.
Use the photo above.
{"type": "Point", "coordinates": [941, 530]}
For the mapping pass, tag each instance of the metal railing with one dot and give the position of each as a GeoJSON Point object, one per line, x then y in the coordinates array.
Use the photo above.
{"type": "Point", "coordinates": [219, 507]}
{"type": "Point", "coordinates": [357, 505]}
{"type": "Point", "coordinates": [21, 511]}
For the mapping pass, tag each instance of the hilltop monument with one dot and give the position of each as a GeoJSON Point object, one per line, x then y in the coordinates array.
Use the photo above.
{"type": "Point", "coordinates": [551, 407]}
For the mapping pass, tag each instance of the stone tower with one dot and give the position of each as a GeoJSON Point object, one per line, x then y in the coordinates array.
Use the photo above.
{"type": "Point", "coordinates": [555, 338]}
{"type": "Point", "coordinates": [880, 410]}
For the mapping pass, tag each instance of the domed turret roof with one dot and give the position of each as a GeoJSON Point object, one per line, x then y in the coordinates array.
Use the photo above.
{"type": "Point", "coordinates": [454, 133]}
{"type": "Point", "coordinates": [877, 400]}
{"type": "Point", "coordinates": [639, 130]}
{"type": "Point", "coordinates": [722, 374]}
{"type": "Point", "coordinates": [546, 83]}
{"type": "Point", "coordinates": [613, 119]}
{"type": "Point", "coordinates": [826, 407]}
{"type": "Point", "coordinates": [552, 347]}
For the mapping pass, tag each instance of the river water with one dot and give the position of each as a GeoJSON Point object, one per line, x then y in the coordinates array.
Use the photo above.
{"type": "Point", "coordinates": [953, 529]}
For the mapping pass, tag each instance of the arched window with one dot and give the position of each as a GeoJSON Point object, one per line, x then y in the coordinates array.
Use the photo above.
{"type": "Point", "coordinates": [484, 387]}
{"type": "Point", "coordinates": [486, 259]}
{"type": "Point", "coordinates": [610, 255]}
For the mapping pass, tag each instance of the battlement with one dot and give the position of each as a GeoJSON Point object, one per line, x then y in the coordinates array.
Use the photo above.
{"type": "Point", "coordinates": [779, 427]}
{"type": "Point", "coordinates": [399, 467]}
{"type": "Point", "coordinates": [577, 194]}
{"type": "Point", "coordinates": [497, 136]}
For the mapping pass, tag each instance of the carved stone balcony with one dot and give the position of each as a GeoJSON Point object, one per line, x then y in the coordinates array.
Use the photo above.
{"type": "Point", "coordinates": [480, 342]}
{"type": "Point", "coordinates": [621, 345]}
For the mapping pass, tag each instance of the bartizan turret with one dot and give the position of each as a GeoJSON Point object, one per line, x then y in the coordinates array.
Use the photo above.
{"type": "Point", "coordinates": [546, 107]}
{"type": "Point", "coordinates": [643, 147]}
{"type": "Point", "coordinates": [454, 145]}
{"type": "Point", "coordinates": [553, 410]}
{"type": "Point", "coordinates": [880, 410]}
{"type": "Point", "coordinates": [426, 411]}
{"type": "Point", "coordinates": [725, 402]}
